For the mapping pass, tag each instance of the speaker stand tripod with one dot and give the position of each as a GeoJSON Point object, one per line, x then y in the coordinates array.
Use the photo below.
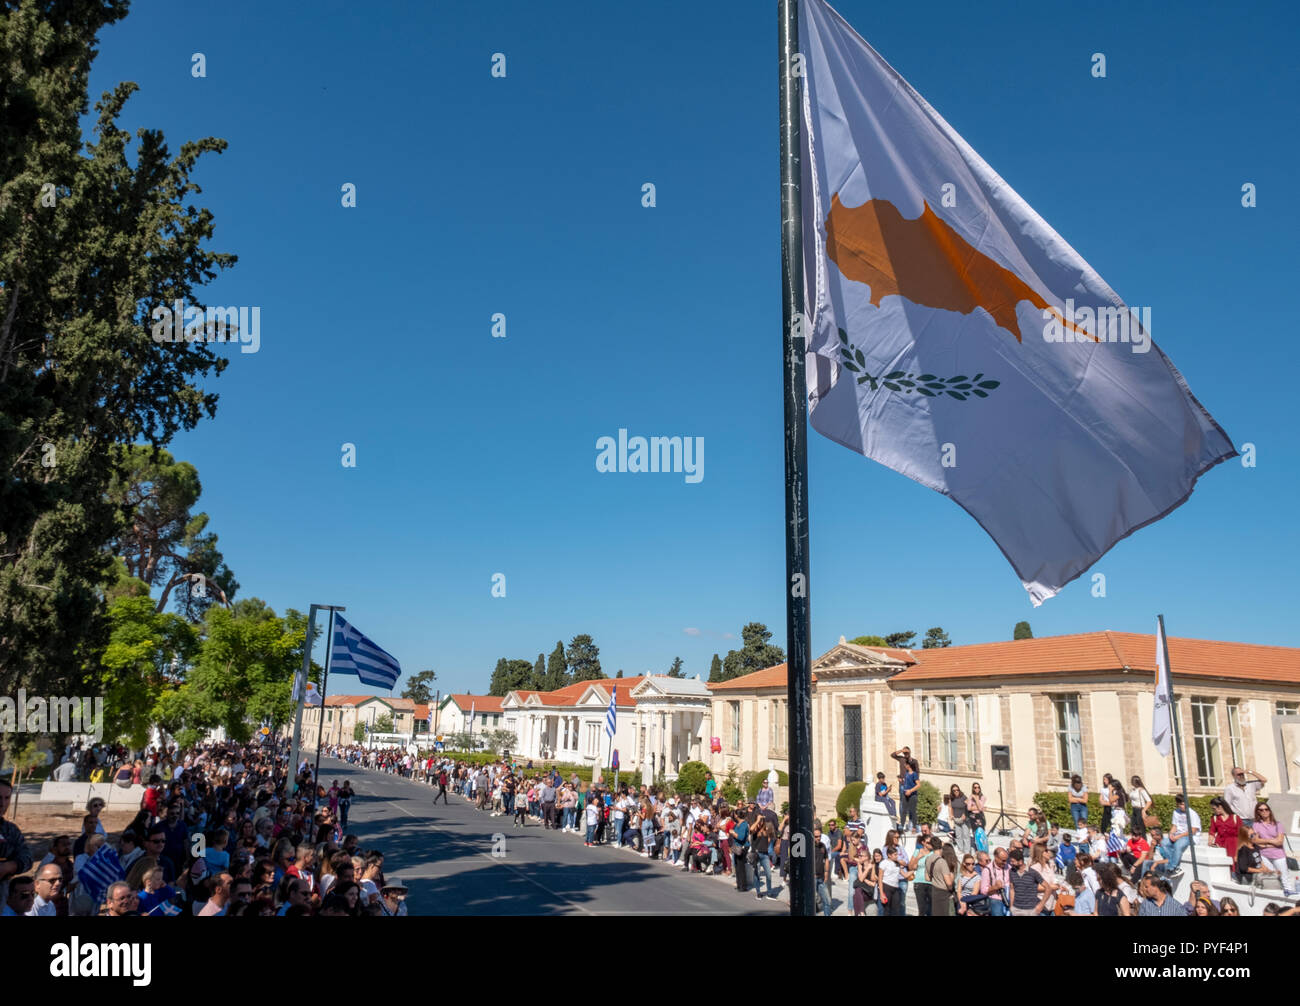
{"type": "Point", "coordinates": [999, 826]}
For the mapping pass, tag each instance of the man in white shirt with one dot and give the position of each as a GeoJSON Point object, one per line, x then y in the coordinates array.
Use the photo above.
{"type": "Point", "coordinates": [67, 772]}
{"type": "Point", "coordinates": [1241, 796]}
{"type": "Point", "coordinates": [1184, 827]}
{"type": "Point", "coordinates": [49, 882]}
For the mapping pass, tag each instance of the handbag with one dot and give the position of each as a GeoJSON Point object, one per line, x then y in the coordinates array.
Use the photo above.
{"type": "Point", "coordinates": [1291, 863]}
{"type": "Point", "coordinates": [1150, 821]}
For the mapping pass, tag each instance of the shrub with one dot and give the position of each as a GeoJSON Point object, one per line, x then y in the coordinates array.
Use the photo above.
{"type": "Point", "coordinates": [1057, 808]}
{"type": "Point", "coordinates": [731, 791]}
{"type": "Point", "coordinates": [754, 782]}
{"type": "Point", "coordinates": [785, 807]}
{"type": "Point", "coordinates": [691, 778]}
{"type": "Point", "coordinates": [927, 803]}
{"type": "Point", "coordinates": [850, 796]}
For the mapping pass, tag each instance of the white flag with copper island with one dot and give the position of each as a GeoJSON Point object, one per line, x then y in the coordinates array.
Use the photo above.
{"type": "Point", "coordinates": [956, 338]}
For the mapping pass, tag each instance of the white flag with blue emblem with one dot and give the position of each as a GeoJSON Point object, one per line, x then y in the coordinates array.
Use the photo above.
{"type": "Point", "coordinates": [353, 653]}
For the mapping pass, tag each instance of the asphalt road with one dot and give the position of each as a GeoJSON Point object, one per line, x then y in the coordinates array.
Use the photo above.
{"type": "Point", "coordinates": [444, 854]}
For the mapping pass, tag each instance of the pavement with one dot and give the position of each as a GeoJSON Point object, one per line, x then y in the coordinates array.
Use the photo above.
{"type": "Point", "coordinates": [460, 861]}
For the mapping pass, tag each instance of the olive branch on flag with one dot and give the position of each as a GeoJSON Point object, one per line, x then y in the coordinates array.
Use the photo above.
{"type": "Point", "coordinates": [959, 387]}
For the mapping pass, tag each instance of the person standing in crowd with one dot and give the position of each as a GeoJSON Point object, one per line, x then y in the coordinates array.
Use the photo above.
{"type": "Point", "coordinates": [1077, 795]}
{"type": "Point", "coordinates": [14, 856]}
{"type": "Point", "coordinates": [822, 872]}
{"type": "Point", "coordinates": [943, 876]}
{"type": "Point", "coordinates": [960, 820]}
{"type": "Point", "coordinates": [1107, 799]}
{"type": "Point", "coordinates": [1242, 792]}
{"type": "Point", "coordinates": [908, 793]}
{"type": "Point", "coordinates": [1141, 803]}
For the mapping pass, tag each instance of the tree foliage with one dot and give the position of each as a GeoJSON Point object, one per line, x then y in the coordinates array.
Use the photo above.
{"type": "Point", "coordinates": [900, 640]}
{"type": "Point", "coordinates": [511, 675]}
{"type": "Point", "coordinates": [756, 652]}
{"type": "Point", "coordinates": [557, 670]}
{"type": "Point", "coordinates": [161, 541]}
{"type": "Point", "coordinates": [1023, 631]}
{"type": "Point", "coordinates": [869, 641]}
{"type": "Point", "coordinates": [93, 236]}
{"type": "Point", "coordinates": [715, 669]}
{"type": "Point", "coordinates": [675, 671]}
{"type": "Point", "coordinates": [935, 639]}
{"type": "Point", "coordinates": [583, 657]}
{"type": "Point", "coordinates": [417, 687]}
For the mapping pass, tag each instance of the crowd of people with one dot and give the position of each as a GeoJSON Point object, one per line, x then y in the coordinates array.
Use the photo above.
{"type": "Point", "coordinates": [218, 832]}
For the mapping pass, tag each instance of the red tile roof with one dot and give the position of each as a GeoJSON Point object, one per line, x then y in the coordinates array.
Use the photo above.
{"type": "Point", "coordinates": [480, 703]}
{"type": "Point", "coordinates": [346, 700]}
{"type": "Point", "coordinates": [768, 677]}
{"type": "Point", "coordinates": [1082, 653]}
{"type": "Point", "coordinates": [1091, 652]}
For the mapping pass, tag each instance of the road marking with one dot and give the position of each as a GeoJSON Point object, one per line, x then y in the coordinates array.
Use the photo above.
{"type": "Point", "coordinates": [497, 862]}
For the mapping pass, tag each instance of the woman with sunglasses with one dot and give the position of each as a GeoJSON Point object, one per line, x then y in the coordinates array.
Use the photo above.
{"type": "Point", "coordinates": [864, 890]}
{"type": "Point", "coordinates": [1228, 907]}
{"type": "Point", "coordinates": [292, 893]}
{"type": "Point", "coordinates": [969, 898]}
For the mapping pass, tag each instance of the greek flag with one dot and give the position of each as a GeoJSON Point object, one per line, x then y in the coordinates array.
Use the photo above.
{"type": "Point", "coordinates": [353, 653]}
{"type": "Point", "coordinates": [1114, 843]}
{"type": "Point", "coordinates": [101, 870]}
{"type": "Point", "coordinates": [611, 717]}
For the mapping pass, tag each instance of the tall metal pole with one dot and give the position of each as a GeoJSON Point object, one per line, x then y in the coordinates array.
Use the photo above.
{"type": "Point", "coordinates": [1178, 747]}
{"type": "Point", "coordinates": [324, 690]}
{"type": "Point", "coordinates": [302, 698]}
{"type": "Point", "coordinates": [797, 607]}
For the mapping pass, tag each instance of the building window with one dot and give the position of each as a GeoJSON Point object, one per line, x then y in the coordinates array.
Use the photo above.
{"type": "Point", "coordinates": [1287, 709]}
{"type": "Point", "coordinates": [1234, 732]}
{"type": "Point", "coordinates": [972, 734]}
{"type": "Point", "coordinates": [948, 732]}
{"type": "Point", "coordinates": [1205, 737]}
{"type": "Point", "coordinates": [1069, 738]}
{"type": "Point", "coordinates": [734, 710]}
{"type": "Point", "coordinates": [779, 725]}
{"type": "Point", "coordinates": [927, 752]}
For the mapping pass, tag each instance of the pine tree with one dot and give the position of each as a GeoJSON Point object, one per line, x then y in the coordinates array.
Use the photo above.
{"type": "Point", "coordinates": [583, 656]}
{"type": "Point", "coordinates": [935, 639]}
{"type": "Point", "coordinates": [715, 669]}
{"type": "Point", "coordinates": [675, 671]}
{"type": "Point", "coordinates": [557, 673]}
{"type": "Point", "coordinates": [538, 680]}
{"type": "Point", "coordinates": [1023, 631]}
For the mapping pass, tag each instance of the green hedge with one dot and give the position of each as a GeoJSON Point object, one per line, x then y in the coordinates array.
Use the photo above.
{"type": "Point", "coordinates": [850, 796]}
{"type": "Point", "coordinates": [1057, 808]}
{"type": "Point", "coordinates": [691, 778]}
{"type": "Point", "coordinates": [754, 782]}
{"type": "Point", "coordinates": [928, 802]}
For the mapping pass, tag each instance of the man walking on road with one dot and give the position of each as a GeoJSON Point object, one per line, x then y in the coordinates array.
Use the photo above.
{"type": "Point", "coordinates": [442, 786]}
{"type": "Point", "coordinates": [548, 803]}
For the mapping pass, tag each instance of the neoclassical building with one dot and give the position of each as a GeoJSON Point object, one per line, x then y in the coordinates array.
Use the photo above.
{"type": "Point", "coordinates": [661, 722]}
{"type": "Point", "coordinates": [1063, 704]}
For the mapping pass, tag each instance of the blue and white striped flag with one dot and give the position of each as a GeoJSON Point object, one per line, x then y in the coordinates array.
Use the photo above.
{"type": "Point", "coordinates": [353, 653]}
{"type": "Point", "coordinates": [1114, 843]}
{"type": "Point", "coordinates": [101, 870]}
{"type": "Point", "coordinates": [611, 717]}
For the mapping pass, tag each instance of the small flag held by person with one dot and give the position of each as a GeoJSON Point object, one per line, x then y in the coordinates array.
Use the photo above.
{"type": "Point", "coordinates": [953, 336]}
{"type": "Point", "coordinates": [100, 871]}
{"type": "Point", "coordinates": [353, 653]}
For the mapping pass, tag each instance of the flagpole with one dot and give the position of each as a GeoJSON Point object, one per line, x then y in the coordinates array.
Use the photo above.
{"type": "Point", "coordinates": [797, 607]}
{"type": "Point", "coordinates": [320, 730]}
{"type": "Point", "coordinates": [1178, 746]}
{"type": "Point", "coordinates": [302, 698]}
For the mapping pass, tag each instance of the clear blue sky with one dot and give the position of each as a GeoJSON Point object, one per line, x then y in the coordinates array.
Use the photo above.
{"type": "Point", "coordinates": [523, 195]}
